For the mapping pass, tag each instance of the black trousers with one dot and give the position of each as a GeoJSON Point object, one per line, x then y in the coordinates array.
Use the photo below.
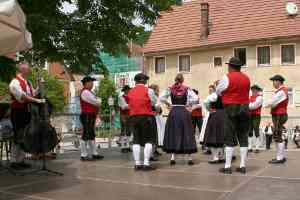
{"type": "Point", "coordinates": [268, 141]}
{"type": "Point", "coordinates": [278, 121]}
{"type": "Point", "coordinates": [296, 142]}
{"type": "Point", "coordinates": [197, 122]}
{"type": "Point", "coordinates": [254, 125]}
{"type": "Point", "coordinates": [144, 129]}
{"type": "Point", "coordinates": [20, 118]}
{"type": "Point", "coordinates": [88, 122]}
{"type": "Point", "coordinates": [236, 125]}
{"type": "Point", "coordinates": [125, 125]}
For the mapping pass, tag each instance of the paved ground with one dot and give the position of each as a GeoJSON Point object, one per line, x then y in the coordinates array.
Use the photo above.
{"type": "Point", "coordinates": [114, 179]}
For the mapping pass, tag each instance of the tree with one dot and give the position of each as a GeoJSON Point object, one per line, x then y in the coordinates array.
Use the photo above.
{"type": "Point", "coordinates": [53, 88]}
{"type": "Point", "coordinates": [7, 69]}
{"type": "Point", "coordinates": [76, 38]}
{"type": "Point", "coordinates": [105, 90]}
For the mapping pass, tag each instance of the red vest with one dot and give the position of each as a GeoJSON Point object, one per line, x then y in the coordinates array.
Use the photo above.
{"type": "Point", "coordinates": [257, 111]}
{"type": "Point", "coordinates": [197, 112]}
{"type": "Point", "coordinates": [15, 103]}
{"type": "Point", "coordinates": [139, 101]}
{"type": "Point", "coordinates": [281, 108]}
{"type": "Point", "coordinates": [125, 111]}
{"type": "Point", "coordinates": [238, 89]}
{"type": "Point", "coordinates": [87, 107]}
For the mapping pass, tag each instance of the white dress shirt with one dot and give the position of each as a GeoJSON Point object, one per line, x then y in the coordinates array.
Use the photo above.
{"type": "Point", "coordinates": [122, 103]}
{"type": "Point", "coordinates": [213, 97]}
{"type": "Point", "coordinates": [222, 85]}
{"type": "Point", "coordinates": [257, 103]}
{"type": "Point", "coordinates": [277, 98]}
{"type": "Point", "coordinates": [17, 91]}
{"type": "Point", "coordinates": [192, 97]}
{"type": "Point", "coordinates": [89, 97]}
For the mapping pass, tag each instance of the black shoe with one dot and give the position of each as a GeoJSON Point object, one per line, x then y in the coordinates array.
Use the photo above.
{"type": "Point", "coordinates": [97, 157]}
{"type": "Point", "coordinates": [138, 167]}
{"type": "Point", "coordinates": [156, 153]}
{"type": "Point", "coordinates": [222, 161]}
{"type": "Point", "coordinates": [214, 162]}
{"type": "Point", "coordinates": [242, 170]}
{"type": "Point", "coordinates": [24, 165]}
{"type": "Point", "coordinates": [153, 159]}
{"type": "Point", "coordinates": [124, 151]}
{"type": "Point", "coordinates": [233, 158]}
{"type": "Point", "coordinates": [172, 162]}
{"type": "Point", "coordinates": [250, 150]}
{"type": "Point", "coordinates": [225, 170]}
{"type": "Point", "coordinates": [190, 162]}
{"type": "Point", "coordinates": [275, 161]}
{"type": "Point", "coordinates": [256, 151]}
{"type": "Point", "coordinates": [149, 168]}
{"type": "Point", "coordinates": [85, 159]}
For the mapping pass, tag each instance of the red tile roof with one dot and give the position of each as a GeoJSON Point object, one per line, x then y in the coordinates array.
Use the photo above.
{"type": "Point", "coordinates": [230, 21]}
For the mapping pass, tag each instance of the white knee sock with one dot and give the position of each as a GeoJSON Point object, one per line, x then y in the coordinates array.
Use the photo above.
{"type": "Point", "coordinates": [257, 143]}
{"type": "Point", "coordinates": [221, 153]}
{"type": "Point", "coordinates": [136, 149]}
{"type": "Point", "coordinates": [243, 152]}
{"type": "Point", "coordinates": [93, 147]}
{"type": "Point", "coordinates": [173, 156]}
{"type": "Point", "coordinates": [215, 154]}
{"type": "Point", "coordinates": [147, 153]}
{"type": "Point", "coordinates": [83, 148]}
{"type": "Point", "coordinates": [228, 154]}
{"type": "Point", "coordinates": [280, 151]}
{"type": "Point", "coordinates": [250, 142]}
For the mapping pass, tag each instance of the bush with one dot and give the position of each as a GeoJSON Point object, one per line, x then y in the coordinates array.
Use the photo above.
{"type": "Point", "coordinates": [3, 89]}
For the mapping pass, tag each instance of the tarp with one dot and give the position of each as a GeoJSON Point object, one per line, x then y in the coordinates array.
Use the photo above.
{"type": "Point", "coordinates": [13, 34]}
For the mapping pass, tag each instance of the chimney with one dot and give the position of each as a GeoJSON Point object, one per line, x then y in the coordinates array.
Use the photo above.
{"type": "Point", "coordinates": [204, 20]}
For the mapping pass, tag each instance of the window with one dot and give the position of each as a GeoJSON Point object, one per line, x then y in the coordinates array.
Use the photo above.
{"type": "Point", "coordinates": [264, 56]}
{"type": "Point", "coordinates": [160, 64]}
{"type": "Point", "coordinates": [218, 61]}
{"type": "Point", "coordinates": [291, 96]}
{"type": "Point", "coordinates": [184, 63]}
{"type": "Point", "coordinates": [288, 54]}
{"type": "Point", "coordinates": [241, 53]}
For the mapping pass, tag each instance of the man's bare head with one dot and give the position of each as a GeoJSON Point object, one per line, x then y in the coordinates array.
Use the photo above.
{"type": "Point", "coordinates": [24, 68]}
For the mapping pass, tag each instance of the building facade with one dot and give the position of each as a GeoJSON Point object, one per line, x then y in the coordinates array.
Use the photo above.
{"type": "Point", "coordinates": [210, 32]}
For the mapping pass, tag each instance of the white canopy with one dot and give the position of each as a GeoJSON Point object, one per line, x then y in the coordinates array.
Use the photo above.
{"type": "Point", "coordinates": [13, 34]}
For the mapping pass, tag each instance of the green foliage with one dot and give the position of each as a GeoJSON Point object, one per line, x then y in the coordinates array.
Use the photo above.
{"type": "Point", "coordinates": [106, 89]}
{"type": "Point", "coordinates": [3, 88]}
{"type": "Point", "coordinates": [53, 89]}
{"type": "Point", "coordinates": [7, 69]}
{"type": "Point", "coordinates": [142, 38]}
{"type": "Point", "coordinates": [75, 38]}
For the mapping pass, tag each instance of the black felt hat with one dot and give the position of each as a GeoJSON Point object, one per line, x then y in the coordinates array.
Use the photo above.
{"type": "Point", "coordinates": [141, 77]}
{"type": "Point", "coordinates": [256, 87]}
{"type": "Point", "coordinates": [234, 61]}
{"type": "Point", "coordinates": [277, 77]}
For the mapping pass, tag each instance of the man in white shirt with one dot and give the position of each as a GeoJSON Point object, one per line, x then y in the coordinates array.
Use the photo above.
{"type": "Point", "coordinates": [90, 105]}
{"type": "Point", "coordinates": [278, 105]}
{"type": "Point", "coordinates": [256, 102]}
{"type": "Point", "coordinates": [22, 93]}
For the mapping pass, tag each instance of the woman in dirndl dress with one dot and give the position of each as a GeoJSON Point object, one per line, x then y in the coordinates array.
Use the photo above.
{"type": "Point", "coordinates": [179, 134]}
{"type": "Point", "coordinates": [214, 131]}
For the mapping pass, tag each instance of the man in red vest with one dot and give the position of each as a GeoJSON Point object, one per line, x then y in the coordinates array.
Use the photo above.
{"type": "Point", "coordinates": [234, 90]}
{"type": "Point", "coordinates": [256, 101]}
{"type": "Point", "coordinates": [124, 116]}
{"type": "Point", "coordinates": [197, 117]}
{"type": "Point", "coordinates": [142, 119]}
{"type": "Point", "coordinates": [279, 104]}
{"type": "Point", "coordinates": [22, 93]}
{"type": "Point", "coordinates": [89, 104]}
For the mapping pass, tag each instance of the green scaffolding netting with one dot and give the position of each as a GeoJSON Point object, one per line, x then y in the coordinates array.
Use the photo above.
{"type": "Point", "coordinates": [120, 64]}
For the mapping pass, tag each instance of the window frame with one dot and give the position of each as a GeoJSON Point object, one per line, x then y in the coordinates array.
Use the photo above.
{"type": "Point", "coordinates": [154, 64]}
{"type": "Point", "coordinates": [213, 61]}
{"type": "Point", "coordinates": [178, 59]}
{"type": "Point", "coordinates": [263, 65]}
{"type": "Point", "coordinates": [242, 47]}
{"type": "Point", "coordinates": [295, 56]}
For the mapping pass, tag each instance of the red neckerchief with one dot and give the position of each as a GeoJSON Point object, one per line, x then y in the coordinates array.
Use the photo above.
{"type": "Point", "coordinates": [178, 89]}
